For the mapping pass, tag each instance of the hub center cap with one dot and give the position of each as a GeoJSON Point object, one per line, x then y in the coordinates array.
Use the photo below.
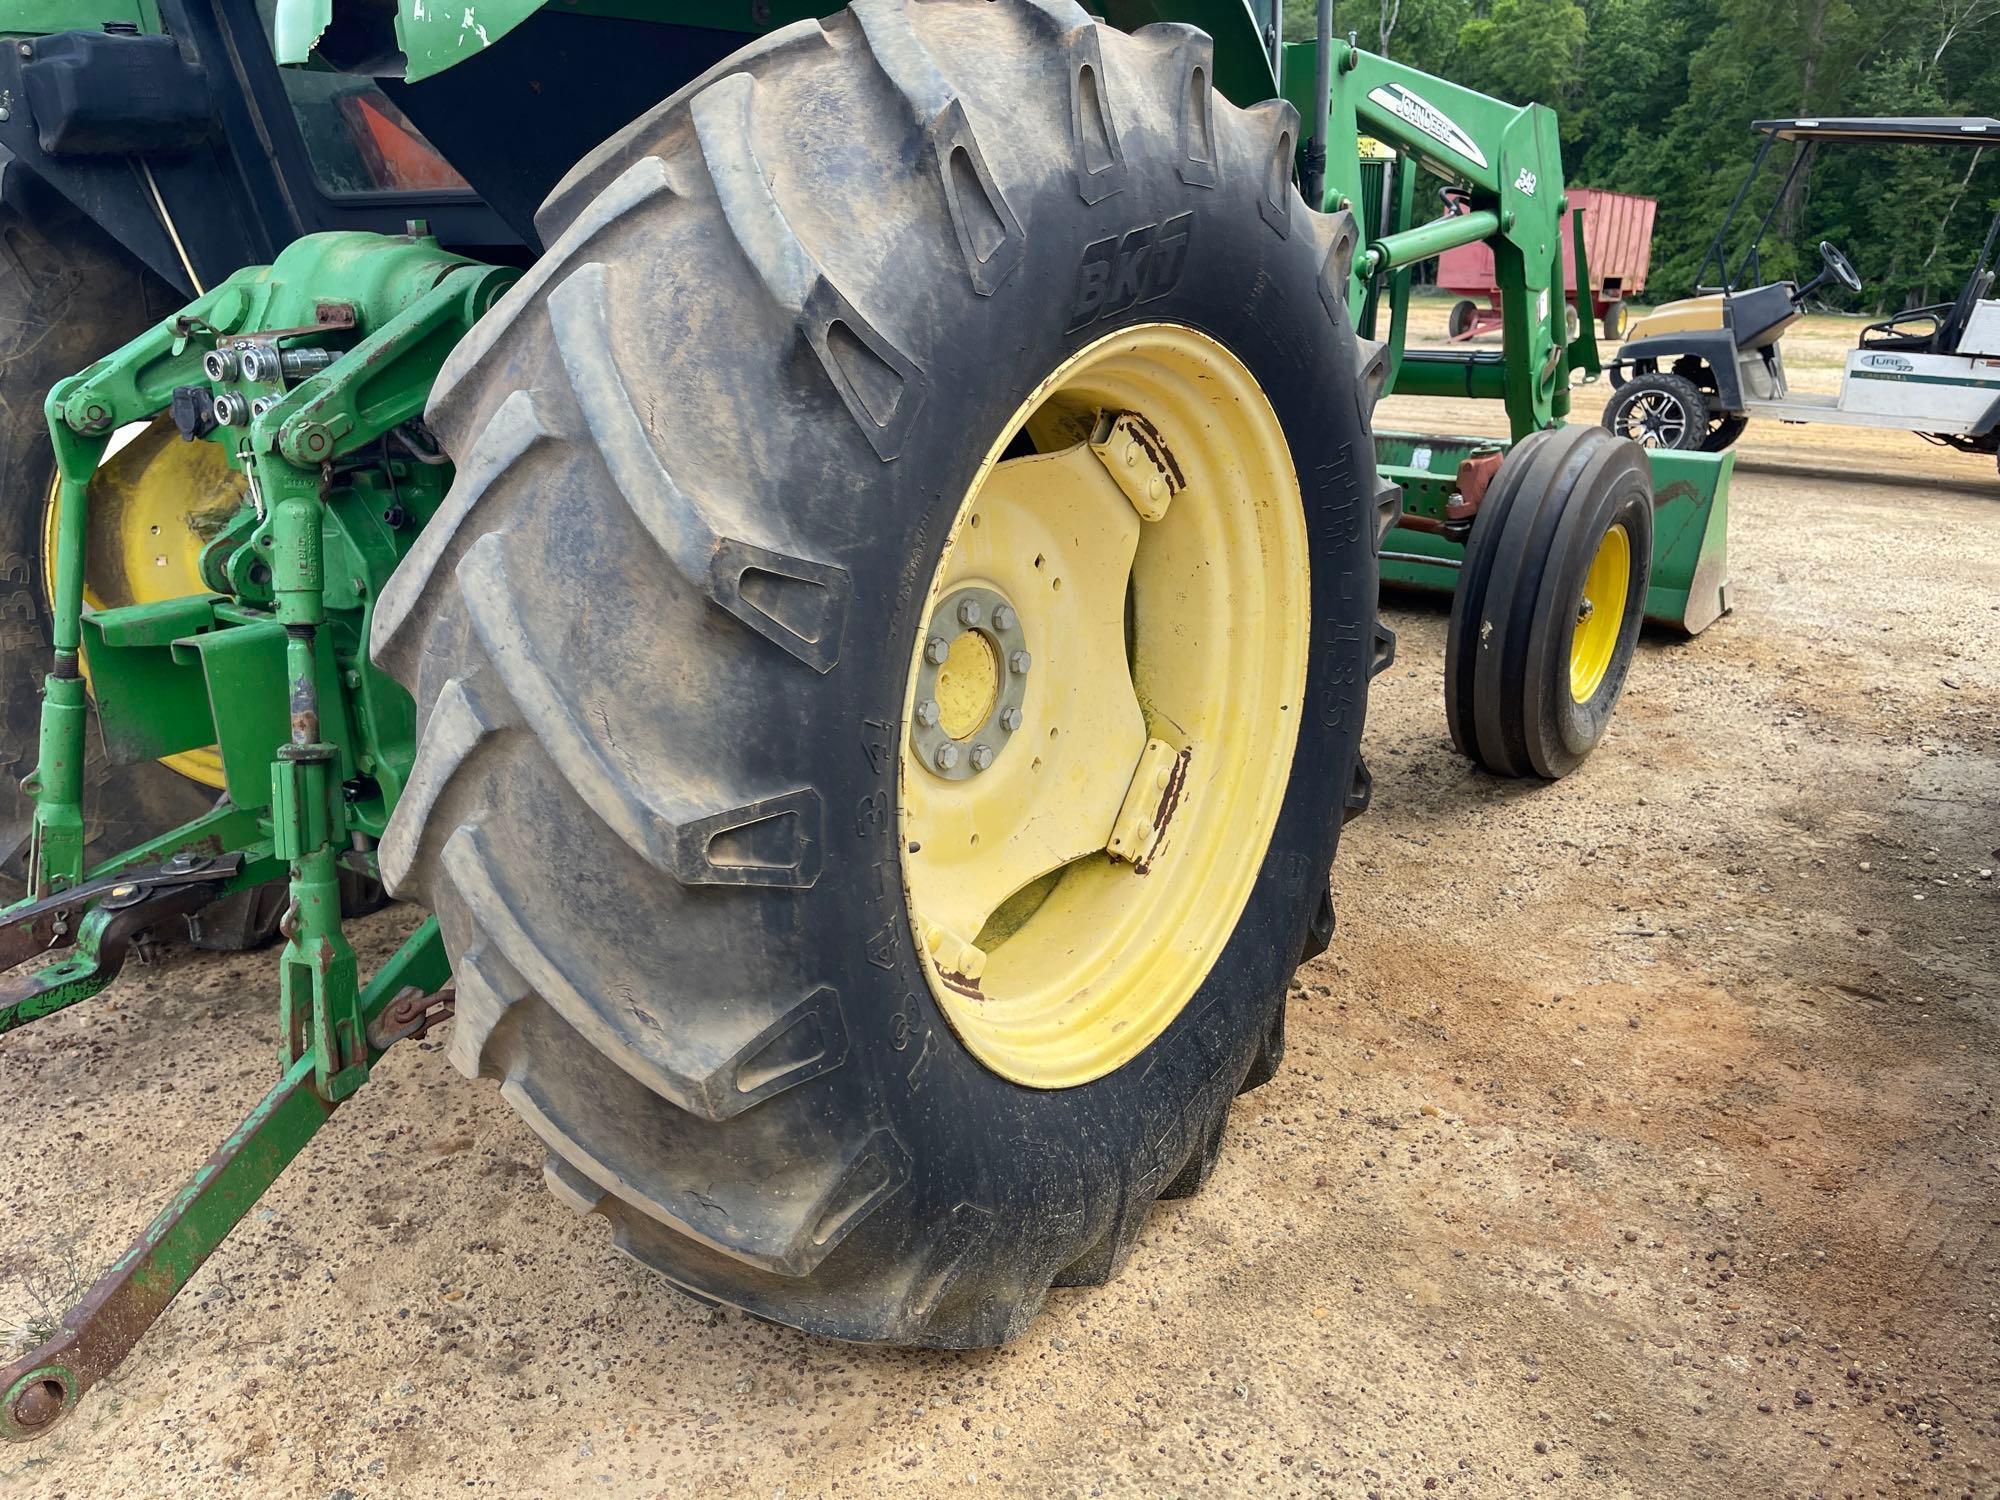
{"type": "Point", "coordinates": [970, 683]}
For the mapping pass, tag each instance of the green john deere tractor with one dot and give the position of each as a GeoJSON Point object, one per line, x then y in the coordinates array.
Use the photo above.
{"type": "Point", "coordinates": [849, 594]}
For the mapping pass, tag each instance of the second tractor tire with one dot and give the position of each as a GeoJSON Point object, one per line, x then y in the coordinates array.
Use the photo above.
{"type": "Point", "coordinates": [1530, 685]}
{"type": "Point", "coordinates": [660, 636]}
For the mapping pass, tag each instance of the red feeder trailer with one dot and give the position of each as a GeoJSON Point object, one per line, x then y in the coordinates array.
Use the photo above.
{"type": "Point", "coordinates": [1617, 238]}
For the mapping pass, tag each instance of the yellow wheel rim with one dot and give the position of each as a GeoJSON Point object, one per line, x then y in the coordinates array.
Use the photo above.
{"type": "Point", "coordinates": [1600, 614]}
{"type": "Point", "coordinates": [1103, 704]}
{"type": "Point", "coordinates": [155, 502]}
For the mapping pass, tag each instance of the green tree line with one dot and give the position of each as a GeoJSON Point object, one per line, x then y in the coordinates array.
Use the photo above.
{"type": "Point", "coordinates": [1657, 97]}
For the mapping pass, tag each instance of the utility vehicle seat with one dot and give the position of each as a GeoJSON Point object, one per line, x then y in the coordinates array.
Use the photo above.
{"type": "Point", "coordinates": [1759, 315]}
{"type": "Point", "coordinates": [1940, 326]}
{"type": "Point", "coordinates": [1897, 335]}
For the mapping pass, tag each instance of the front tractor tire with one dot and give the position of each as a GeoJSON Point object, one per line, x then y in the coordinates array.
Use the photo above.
{"type": "Point", "coordinates": [875, 778]}
{"type": "Point", "coordinates": [1550, 601]}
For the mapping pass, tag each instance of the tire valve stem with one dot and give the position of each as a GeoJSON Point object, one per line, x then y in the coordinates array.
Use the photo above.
{"type": "Point", "coordinates": [1584, 611]}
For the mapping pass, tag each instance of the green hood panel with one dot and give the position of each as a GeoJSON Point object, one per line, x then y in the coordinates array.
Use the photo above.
{"type": "Point", "coordinates": [433, 34]}
{"type": "Point", "coordinates": [436, 34]}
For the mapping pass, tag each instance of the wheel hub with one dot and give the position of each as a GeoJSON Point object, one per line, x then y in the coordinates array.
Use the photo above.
{"type": "Point", "coordinates": [1600, 614]}
{"type": "Point", "coordinates": [971, 682]}
{"type": "Point", "coordinates": [1103, 705]}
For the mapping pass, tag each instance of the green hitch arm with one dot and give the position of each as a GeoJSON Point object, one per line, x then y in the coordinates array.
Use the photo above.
{"type": "Point", "coordinates": [56, 839]}
{"type": "Point", "coordinates": [38, 1390]}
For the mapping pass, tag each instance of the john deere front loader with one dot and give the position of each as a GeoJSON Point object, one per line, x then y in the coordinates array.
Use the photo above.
{"type": "Point", "coordinates": [854, 615]}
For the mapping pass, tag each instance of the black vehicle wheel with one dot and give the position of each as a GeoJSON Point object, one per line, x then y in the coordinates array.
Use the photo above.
{"type": "Point", "coordinates": [1572, 323]}
{"type": "Point", "coordinates": [68, 296]}
{"type": "Point", "coordinates": [1458, 322]}
{"type": "Point", "coordinates": [1549, 603]}
{"type": "Point", "coordinates": [1723, 430]}
{"type": "Point", "coordinates": [1617, 317]}
{"type": "Point", "coordinates": [738, 662]}
{"type": "Point", "coordinates": [1659, 410]}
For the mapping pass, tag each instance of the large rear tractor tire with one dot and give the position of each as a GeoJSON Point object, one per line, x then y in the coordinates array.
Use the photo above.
{"type": "Point", "coordinates": [68, 296]}
{"type": "Point", "coordinates": [891, 665]}
{"type": "Point", "coordinates": [1550, 601]}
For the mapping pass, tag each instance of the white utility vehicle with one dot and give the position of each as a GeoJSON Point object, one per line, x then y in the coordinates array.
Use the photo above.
{"type": "Point", "coordinates": [1692, 373]}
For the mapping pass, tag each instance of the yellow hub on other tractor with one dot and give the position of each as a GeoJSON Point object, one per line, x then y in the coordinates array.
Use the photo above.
{"type": "Point", "coordinates": [1600, 614]}
{"type": "Point", "coordinates": [1103, 705]}
{"type": "Point", "coordinates": [155, 502]}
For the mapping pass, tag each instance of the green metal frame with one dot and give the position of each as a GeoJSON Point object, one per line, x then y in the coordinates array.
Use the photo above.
{"type": "Point", "coordinates": [346, 333]}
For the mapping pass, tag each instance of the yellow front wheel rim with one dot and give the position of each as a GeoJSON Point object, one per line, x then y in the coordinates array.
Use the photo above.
{"type": "Point", "coordinates": [1600, 614]}
{"type": "Point", "coordinates": [1090, 787]}
{"type": "Point", "coordinates": [155, 502]}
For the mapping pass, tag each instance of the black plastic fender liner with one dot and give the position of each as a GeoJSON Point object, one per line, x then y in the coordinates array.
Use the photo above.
{"type": "Point", "coordinates": [657, 812]}
{"type": "Point", "coordinates": [1716, 350]}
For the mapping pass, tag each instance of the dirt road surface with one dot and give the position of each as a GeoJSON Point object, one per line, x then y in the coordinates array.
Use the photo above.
{"type": "Point", "coordinates": [1637, 1137]}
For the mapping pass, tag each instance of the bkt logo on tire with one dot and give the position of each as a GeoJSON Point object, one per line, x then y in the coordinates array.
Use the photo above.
{"type": "Point", "coordinates": [1137, 266]}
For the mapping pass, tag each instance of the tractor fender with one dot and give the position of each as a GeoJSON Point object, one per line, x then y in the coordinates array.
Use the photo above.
{"type": "Point", "coordinates": [1715, 349]}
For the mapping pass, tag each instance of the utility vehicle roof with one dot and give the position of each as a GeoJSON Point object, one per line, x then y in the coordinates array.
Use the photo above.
{"type": "Point", "coordinates": [1888, 130]}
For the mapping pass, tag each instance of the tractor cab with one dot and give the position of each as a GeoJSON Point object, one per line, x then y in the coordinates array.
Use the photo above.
{"type": "Point", "coordinates": [1692, 373]}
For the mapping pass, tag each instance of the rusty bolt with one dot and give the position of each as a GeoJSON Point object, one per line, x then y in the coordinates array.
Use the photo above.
{"type": "Point", "coordinates": [946, 757]}
{"type": "Point", "coordinates": [982, 757]}
{"type": "Point", "coordinates": [1003, 617]}
{"type": "Point", "coordinates": [969, 612]}
{"type": "Point", "coordinates": [1019, 663]}
{"type": "Point", "coordinates": [936, 649]}
{"type": "Point", "coordinates": [40, 1404]}
{"type": "Point", "coordinates": [927, 712]}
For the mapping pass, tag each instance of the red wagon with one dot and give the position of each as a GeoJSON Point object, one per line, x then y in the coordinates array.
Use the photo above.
{"type": "Point", "coordinates": [1617, 241]}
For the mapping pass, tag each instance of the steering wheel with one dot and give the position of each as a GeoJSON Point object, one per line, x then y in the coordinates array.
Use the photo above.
{"type": "Point", "coordinates": [1836, 261]}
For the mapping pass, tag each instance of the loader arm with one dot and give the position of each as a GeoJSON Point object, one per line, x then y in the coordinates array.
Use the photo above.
{"type": "Point", "coordinates": [1505, 160]}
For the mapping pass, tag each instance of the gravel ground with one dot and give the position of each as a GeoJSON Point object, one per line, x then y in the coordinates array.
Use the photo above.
{"type": "Point", "coordinates": [1636, 1138]}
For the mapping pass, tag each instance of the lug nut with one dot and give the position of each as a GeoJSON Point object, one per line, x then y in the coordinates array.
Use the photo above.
{"type": "Point", "coordinates": [1003, 617]}
{"type": "Point", "coordinates": [936, 649]}
{"type": "Point", "coordinates": [927, 712]}
{"type": "Point", "coordinates": [946, 757]}
{"type": "Point", "coordinates": [1019, 663]}
{"type": "Point", "coordinates": [982, 757]}
{"type": "Point", "coordinates": [220, 364]}
{"type": "Point", "coordinates": [969, 612]}
{"type": "Point", "coordinates": [1010, 719]}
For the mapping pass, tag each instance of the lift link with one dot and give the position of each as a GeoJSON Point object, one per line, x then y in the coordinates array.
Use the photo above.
{"type": "Point", "coordinates": [319, 1001]}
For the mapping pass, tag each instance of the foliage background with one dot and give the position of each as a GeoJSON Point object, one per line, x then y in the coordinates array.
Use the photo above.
{"type": "Point", "coordinates": [1657, 96]}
